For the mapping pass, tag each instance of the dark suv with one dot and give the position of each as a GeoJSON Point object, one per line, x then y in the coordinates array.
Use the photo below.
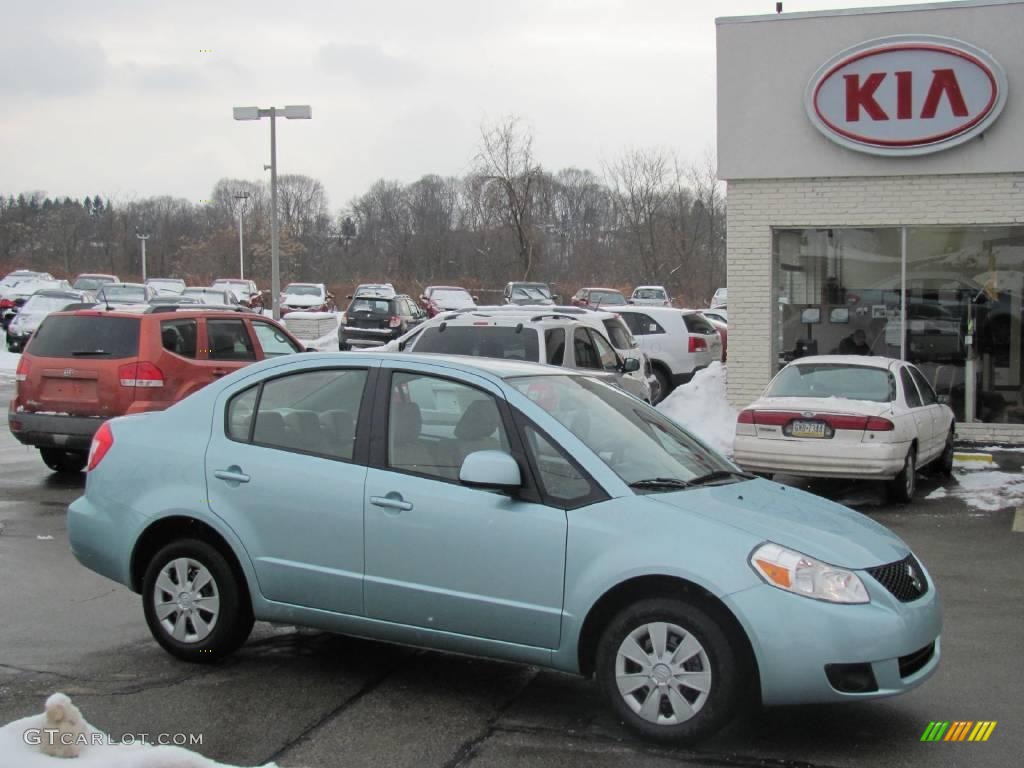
{"type": "Point", "coordinates": [372, 321]}
{"type": "Point", "coordinates": [82, 368]}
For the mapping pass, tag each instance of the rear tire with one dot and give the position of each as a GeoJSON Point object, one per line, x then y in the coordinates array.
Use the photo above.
{"type": "Point", "coordinates": [190, 590]}
{"type": "Point", "coordinates": [64, 462]}
{"type": "Point", "coordinates": [683, 694]}
{"type": "Point", "coordinates": [902, 487]}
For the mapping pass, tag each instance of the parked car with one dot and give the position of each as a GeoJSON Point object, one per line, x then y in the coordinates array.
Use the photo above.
{"type": "Point", "coordinates": [848, 416]}
{"type": "Point", "coordinates": [679, 342]}
{"type": "Point", "coordinates": [178, 300]}
{"type": "Point", "coordinates": [93, 281]}
{"type": "Point", "coordinates": [372, 321]}
{"type": "Point", "coordinates": [18, 293]}
{"type": "Point", "coordinates": [167, 286]}
{"type": "Point", "coordinates": [551, 338]}
{"type": "Point", "coordinates": [377, 290]}
{"type": "Point", "coordinates": [528, 293]}
{"type": "Point", "coordinates": [306, 297]}
{"type": "Point", "coordinates": [245, 290]}
{"type": "Point", "coordinates": [718, 314]}
{"type": "Point", "coordinates": [650, 296]}
{"type": "Point", "coordinates": [506, 510]}
{"type": "Point", "coordinates": [85, 367]}
{"type": "Point", "coordinates": [31, 314]}
{"type": "Point", "coordinates": [597, 298]}
{"type": "Point", "coordinates": [719, 298]}
{"type": "Point", "coordinates": [723, 330]}
{"type": "Point", "coordinates": [444, 298]}
{"type": "Point", "coordinates": [124, 293]}
{"type": "Point", "coordinates": [21, 274]}
{"type": "Point", "coordinates": [219, 297]}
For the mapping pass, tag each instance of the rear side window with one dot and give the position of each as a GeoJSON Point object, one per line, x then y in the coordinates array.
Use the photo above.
{"type": "Point", "coordinates": [101, 337]}
{"type": "Point", "coordinates": [641, 324]}
{"type": "Point", "coordinates": [240, 411]}
{"type": "Point", "coordinates": [508, 343]}
{"type": "Point", "coordinates": [928, 396]}
{"type": "Point", "coordinates": [697, 324]}
{"type": "Point", "coordinates": [554, 343]}
{"type": "Point", "coordinates": [179, 337]}
{"type": "Point", "coordinates": [910, 389]}
{"type": "Point", "coordinates": [228, 340]}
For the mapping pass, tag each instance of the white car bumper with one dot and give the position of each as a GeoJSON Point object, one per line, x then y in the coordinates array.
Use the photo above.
{"type": "Point", "coordinates": [820, 458]}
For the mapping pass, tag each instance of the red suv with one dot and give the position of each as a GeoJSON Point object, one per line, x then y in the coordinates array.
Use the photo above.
{"type": "Point", "coordinates": [82, 368]}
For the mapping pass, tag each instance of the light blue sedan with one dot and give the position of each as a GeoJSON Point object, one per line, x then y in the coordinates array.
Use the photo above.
{"type": "Point", "coordinates": [502, 509]}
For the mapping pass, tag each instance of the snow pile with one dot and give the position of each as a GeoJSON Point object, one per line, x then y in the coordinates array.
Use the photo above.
{"type": "Point", "coordinates": [700, 406]}
{"type": "Point", "coordinates": [985, 491]}
{"type": "Point", "coordinates": [8, 362]}
{"type": "Point", "coordinates": [96, 749]}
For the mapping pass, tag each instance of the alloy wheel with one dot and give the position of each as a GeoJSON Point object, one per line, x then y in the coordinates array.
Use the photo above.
{"type": "Point", "coordinates": [186, 600]}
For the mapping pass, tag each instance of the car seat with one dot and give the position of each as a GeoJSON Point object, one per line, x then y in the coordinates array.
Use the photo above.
{"type": "Point", "coordinates": [476, 430]}
{"type": "Point", "coordinates": [339, 433]}
{"type": "Point", "coordinates": [405, 446]}
{"type": "Point", "coordinates": [271, 429]}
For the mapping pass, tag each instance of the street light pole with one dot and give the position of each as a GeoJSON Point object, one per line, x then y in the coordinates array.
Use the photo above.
{"type": "Point", "coordinates": [241, 250]}
{"type": "Point", "coordinates": [291, 112]}
{"type": "Point", "coordinates": [143, 239]}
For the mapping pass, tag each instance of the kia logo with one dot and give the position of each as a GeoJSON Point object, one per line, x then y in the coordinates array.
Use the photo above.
{"type": "Point", "coordinates": [68, 372]}
{"type": "Point", "coordinates": [906, 95]}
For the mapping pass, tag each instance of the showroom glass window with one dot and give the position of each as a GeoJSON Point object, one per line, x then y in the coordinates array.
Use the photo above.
{"type": "Point", "coordinates": [840, 291]}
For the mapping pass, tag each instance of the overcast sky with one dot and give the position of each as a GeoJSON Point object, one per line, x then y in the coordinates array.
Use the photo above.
{"type": "Point", "coordinates": [120, 97]}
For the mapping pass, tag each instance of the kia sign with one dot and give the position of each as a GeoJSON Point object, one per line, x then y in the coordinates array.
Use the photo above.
{"type": "Point", "coordinates": [906, 95]}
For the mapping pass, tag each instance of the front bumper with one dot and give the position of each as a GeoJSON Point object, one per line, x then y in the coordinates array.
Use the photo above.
{"type": "Point", "coordinates": [16, 341]}
{"type": "Point", "coordinates": [820, 458]}
{"type": "Point", "coordinates": [50, 430]}
{"type": "Point", "coordinates": [794, 638]}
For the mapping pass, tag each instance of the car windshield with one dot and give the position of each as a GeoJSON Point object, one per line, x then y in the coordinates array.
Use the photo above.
{"type": "Point", "coordinates": [502, 342]}
{"type": "Point", "coordinates": [176, 285]}
{"type": "Point", "coordinates": [129, 293]}
{"type": "Point", "coordinates": [531, 292]}
{"type": "Point", "coordinates": [606, 298]}
{"type": "Point", "coordinates": [636, 442]}
{"type": "Point", "coordinates": [88, 284]}
{"type": "Point", "coordinates": [852, 382]}
{"type": "Point", "coordinates": [648, 293]}
{"type": "Point", "coordinates": [452, 299]}
{"type": "Point", "coordinates": [47, 303]}
{"type": "Point", "coordinates": [302, 290]}
{"type": "Point", "coordinates": [238, 286]}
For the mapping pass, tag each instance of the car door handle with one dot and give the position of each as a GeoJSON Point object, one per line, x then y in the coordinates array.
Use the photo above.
{"type": "Point", "coordinates": [391, 501]}
{"type": "Point", "coordinates": [231, 474]}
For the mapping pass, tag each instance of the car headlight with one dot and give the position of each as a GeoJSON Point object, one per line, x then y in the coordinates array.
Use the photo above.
{"type": "Point", "coordinates": [802, 575]}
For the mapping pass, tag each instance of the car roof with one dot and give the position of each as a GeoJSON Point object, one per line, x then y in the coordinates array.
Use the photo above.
{"type": "Point", "coordinates": [864, 361]}
{"type": "Point", "coordinates": [649, 287]}
{"type": "Point", "coordinates": [655, 310]}
{"type": "Point", "coordinates": [58, 293]}
{"type": "Point", "coordinates": [598, 288]}
{"type": "Point", "coordinates": [500, 368]}
{"type": "Point", "coordinates": [125, 285]}
{"type": "Point", "coordinates": [473, 317]}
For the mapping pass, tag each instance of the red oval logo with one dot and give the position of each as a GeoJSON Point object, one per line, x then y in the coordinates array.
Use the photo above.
{"type": "Point", "coordinates": [906, 95]}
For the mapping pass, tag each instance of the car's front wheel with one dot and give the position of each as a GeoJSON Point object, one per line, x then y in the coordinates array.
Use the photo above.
{"type": "Point", "coordinates": [945, 462]}
{"type": "Point", "coordinates": [902, 487]}
{"type": "Point", "coordinates": [669, 671]}
{"type": "Point", "coordinates": [195, 606]}
{"type": "Point", "coordinates": [64, 462]}
{"type": "Point", "coordinates": [664, 383]}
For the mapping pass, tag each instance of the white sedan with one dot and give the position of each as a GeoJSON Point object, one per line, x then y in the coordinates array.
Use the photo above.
{"type": "Point", "coordinates": [847, 416]}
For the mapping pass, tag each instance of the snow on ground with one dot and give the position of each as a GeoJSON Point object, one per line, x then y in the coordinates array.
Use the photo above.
{"type": "Point", "coordinates": [701, 407]}
{"type": "Point", "coordinates": [8, 362]}
{"type": "Point", "coordinates": [998, 448]}
{"type": "Point", "coordinates": [985, 491]}
{"type": "Point", "coordinates": [97, 749]}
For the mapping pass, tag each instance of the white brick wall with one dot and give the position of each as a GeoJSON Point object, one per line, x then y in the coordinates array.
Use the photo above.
{"type": "Point", "coordinates": [755, 206]}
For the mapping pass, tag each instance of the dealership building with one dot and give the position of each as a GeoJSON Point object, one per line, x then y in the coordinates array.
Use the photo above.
{"type": "Point", "coordinates": [874, 160]}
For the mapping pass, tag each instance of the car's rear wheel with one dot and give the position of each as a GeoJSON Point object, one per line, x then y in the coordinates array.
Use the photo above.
{"type": "Point", "coordinates": [64, 462]}
{"type": "Point", "coordinates": [945, 462]}
{"type": "Point", "coordinates": [669, 671]}
{"type": "Point", "coordinates": [902, 487]}
{"type": "Point", "coordinates": [195, 605]}
{"type": "Point", "coordinates": [664, 383]}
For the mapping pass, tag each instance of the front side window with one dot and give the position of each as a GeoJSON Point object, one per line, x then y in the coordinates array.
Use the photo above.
{"type": "Point", "coordinates": [910, 389]}
{"type": "Point", "coordinates": [605, 353]}
{"type": "Point", "coordinates": [559, 477]}
{"type": "Point", "coordinates": [852, 382]}
{"type": "Point", "coordinates": [636, 441]}
{"type": "Point", "coordinates": [273, 342]}
{"type": "Point", "coordinates": [619, 334]}
{"type": "Point", "coordinates": [228, 340]}
{"type": "Point", "coordinates": [435, 423]}
{"type": "Point", "coordinates": [584, 351]}
{"type": "Point", "coordinates": [310, 412]}
{"type": "Point", "coordinates": [179, 337]}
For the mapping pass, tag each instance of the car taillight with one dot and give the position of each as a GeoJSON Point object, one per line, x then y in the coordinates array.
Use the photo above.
{"type": "Point", "coordinates": [102, 441]}
{"type": "Point", "coordinates": [745, 417]}
{"type": "Point", "coordinates": [6, 303]}
{"type": "Point", "coordinates": [878, 424]}
{"type": "Point", "coordinates": [394, 321]}
{"type": "Point", "coordinates": [697, 344]}
{"type": "Point", "coordinates": [142, 374]}
{"type": "Point", "coordinates": [22, 371]}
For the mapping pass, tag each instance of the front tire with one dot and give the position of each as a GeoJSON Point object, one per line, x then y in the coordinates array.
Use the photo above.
{"type": "Point", "coordinates": [669, 671]}
{"type": "Point", "coordinates": [195, 606]}
{"type": "Point", "coordinates": [64, 462]}
{"type": "Point", "coordinates": [664, 383]}
{"type": "Point", "coordinates": [945, 462]}
{"type": "Point", "coordinates": [902, 487]}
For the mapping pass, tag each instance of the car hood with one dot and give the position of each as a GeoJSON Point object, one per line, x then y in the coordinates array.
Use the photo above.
{"type": "Point", "coordinates": [30, 320]}
{"type": "Point", "coordinates": [821, 405]}
{"type": "Point", "coordinates": [302, 301]}
{"type": "Point", "coordinates": [793, 518]}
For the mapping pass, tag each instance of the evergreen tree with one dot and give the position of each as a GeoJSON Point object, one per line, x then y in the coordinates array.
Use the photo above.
{"type": "Point", "coordinates": [97, 205]}
{"type": "Point", "coordinates": [87, 202]}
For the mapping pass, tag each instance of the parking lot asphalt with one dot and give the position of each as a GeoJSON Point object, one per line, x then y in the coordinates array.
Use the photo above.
{"type": "Point", "coordinates": [305, 698]}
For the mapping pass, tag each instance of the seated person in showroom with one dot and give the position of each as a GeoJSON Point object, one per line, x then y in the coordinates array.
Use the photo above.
{"type": "Point", "coordinates": [855, 344]}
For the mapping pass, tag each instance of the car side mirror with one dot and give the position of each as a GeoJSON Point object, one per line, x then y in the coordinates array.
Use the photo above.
{"type": "Point", "coordinates": [630, 365]}
{"type": "Point", "coordinates": [476, 299]}
{"type": "Point", "coordinates": [629, 301]}
{"type": "Point", "coordinates": [330, 295]}
{"type": "Point", "coordinates": [491, 470]}
{"type": "Point", "coordinates": [945, 399]}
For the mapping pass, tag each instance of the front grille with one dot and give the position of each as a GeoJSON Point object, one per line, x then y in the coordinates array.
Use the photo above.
{"type": "Point", "coordinates": [905, 578]}
{"type": "Point", "coordinates": [916, 661]}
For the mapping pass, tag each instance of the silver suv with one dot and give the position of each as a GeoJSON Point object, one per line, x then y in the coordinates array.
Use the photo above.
{"type": "Point", "coordinates": [535, 336]}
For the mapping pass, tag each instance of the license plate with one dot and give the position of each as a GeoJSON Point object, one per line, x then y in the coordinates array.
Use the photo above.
{"type": "Point", "coordinates": [808, 429]}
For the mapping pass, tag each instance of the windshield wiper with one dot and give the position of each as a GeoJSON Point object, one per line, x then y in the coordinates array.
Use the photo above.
{"type": "Point", "coordinates": [720, 474]}
{"type": "Point", "coordinates": [87, 352]}
{"type": "Point", "coordinates": [653, 483]}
